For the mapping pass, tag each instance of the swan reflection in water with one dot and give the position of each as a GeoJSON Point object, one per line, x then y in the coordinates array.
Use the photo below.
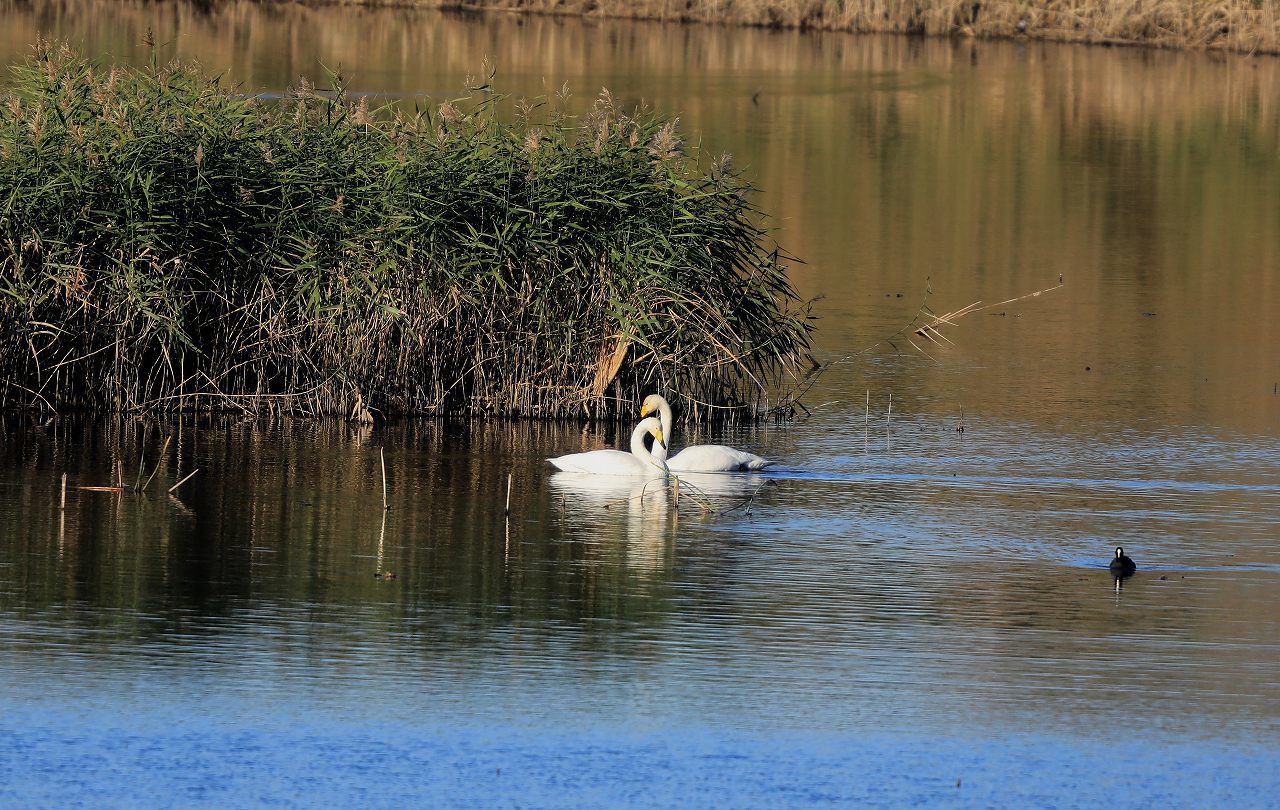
{"type": "Point", "coordinates": [636, 511]}
{"type": "Point", "coordinates": [640, 514]}
{"type": "Point", "coordinates": [722, 489]}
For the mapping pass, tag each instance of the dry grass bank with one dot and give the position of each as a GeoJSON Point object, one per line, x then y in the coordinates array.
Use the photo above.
{"type": "Point", "coordinates": [1243, 26]}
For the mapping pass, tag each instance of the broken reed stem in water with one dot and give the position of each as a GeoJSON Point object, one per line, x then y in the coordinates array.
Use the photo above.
{"type": "Point", "coordinates": [382, 540]}
{"type": "Point", "coordinates": [692, 491]}
{"type": "Point", "coordinates": [888, 416]}
{"type": "Point", "coordinates": [866, 424]}
{"type": "Point", "coordinates": [184, 480]}
{"type": "Point", "coordinates": [507, 509]}
{"type": "Point", "coordinates": [383, 461]}
{"type": "Point", "coordinates": [62, 505]}
{"type": "Point", "coordinates": [927, 329]}
{"type": "Point", "coordinates": [930, 329]}
{"type": "Point", "coordinates": [159, 461]}
{"type": "Point", "coordinates": [479, 259]}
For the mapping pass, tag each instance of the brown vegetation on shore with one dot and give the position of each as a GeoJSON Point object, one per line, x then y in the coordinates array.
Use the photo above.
{"type": "Point", "coordinates": [1242, 26]}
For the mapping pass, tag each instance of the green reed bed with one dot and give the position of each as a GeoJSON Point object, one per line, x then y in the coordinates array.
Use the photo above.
{"type": "Point", "coordinates": [168, 243]}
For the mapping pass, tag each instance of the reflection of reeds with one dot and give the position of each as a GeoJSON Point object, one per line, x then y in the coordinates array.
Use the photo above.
{"type": "Point", "coordinates": [289, 509]}
{"type": "Point", "coordinates": [167, 243]}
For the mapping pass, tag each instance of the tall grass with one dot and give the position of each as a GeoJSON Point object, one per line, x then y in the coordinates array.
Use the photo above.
{"type": "Point", "coordinates": [1246, 26]}
{"type": "Point", "coordinates": [168, 243]}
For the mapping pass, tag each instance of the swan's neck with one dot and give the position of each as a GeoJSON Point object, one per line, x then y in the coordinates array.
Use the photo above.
{"type": "Point", "coordinates": [664, 416]}
{"type": "Point", "coordinates": [641, 452]}
{"type": "Point", "coordinates": [659, 449]}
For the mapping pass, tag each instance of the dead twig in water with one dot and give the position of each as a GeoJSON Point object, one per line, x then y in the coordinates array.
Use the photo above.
{"type": "Point", "coordinates": [184, 480]}
{"type": "Point", "coordinates": [382, 459]}
{"type": "Point", "coordinates": [930, 329]}
{"type": "Point", "coordinates": [866, 424]}
{"type": "Point", "coordinates": [163, 450]}
{"type": "Point", "coordinates": [887, 417]}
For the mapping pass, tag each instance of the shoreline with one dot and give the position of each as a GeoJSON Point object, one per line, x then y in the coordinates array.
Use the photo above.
{"type": "Point", "coordinates": [1247, 27]}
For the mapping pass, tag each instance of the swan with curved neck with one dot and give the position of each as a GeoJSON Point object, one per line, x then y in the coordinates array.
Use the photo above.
{"type": "Point", "coordinates": [699, 457]}
{"type": "Point", "coordinates": [615, 462]}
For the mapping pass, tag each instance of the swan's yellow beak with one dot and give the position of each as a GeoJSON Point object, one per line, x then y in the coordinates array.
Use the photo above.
{"type": "Point", "coordinates": [645, 410]}
{"type": "Point", "coordinates": [657, 436]}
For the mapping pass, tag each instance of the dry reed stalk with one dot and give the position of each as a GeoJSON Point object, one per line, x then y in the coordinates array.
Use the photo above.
{"type": "Point", "coordinates": [1245, 26]}
{"type": "Point", "coordinates": [174, 488]}
{"type": "Point", "coordinates": [930, 329]}
{"type": "Point", "coordinates": [383, 462]}
{"type": "Point", "coordinates": [163, 450]}
{"type": "Point", "coordinates": [887, 417]}
{"type": "Point", "coordinates": [866, 423]}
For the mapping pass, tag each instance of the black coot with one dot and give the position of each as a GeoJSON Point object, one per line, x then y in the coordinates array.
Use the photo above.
{"type": "Point", "coordinates": [1121, 565]}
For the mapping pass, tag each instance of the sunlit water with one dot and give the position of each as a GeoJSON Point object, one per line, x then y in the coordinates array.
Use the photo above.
{"type": "Point", "coordinates": [913, 608]}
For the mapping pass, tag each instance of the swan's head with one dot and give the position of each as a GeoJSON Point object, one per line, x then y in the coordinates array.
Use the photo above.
{"type": "Point", "coordinates": [657, 437]}
{"type": "Point", "coordinates": [651, 426]}
{"type": "Point", "coordinates": [651, 404]}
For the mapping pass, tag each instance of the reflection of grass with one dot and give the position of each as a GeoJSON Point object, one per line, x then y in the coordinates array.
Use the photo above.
{"type": "Point", "coordinates": [292, 510]}
{"type": "Point", "coordinates": [1237, 25]}
{"type": "Point", "coordinates": [167, 243]}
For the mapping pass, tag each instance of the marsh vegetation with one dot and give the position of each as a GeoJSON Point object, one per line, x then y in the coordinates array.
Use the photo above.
{"type": "Point", "coordinates": [171, 242]}
{"type": "Point", "coordinates": [1245, 26]}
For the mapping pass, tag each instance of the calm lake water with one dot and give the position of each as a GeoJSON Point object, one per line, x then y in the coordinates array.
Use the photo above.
{"type": "Point", "coordinates": [901, 613]}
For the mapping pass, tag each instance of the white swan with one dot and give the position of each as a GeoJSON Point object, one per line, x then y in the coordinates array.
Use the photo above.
{"type": "Point", "coordinates": [615, 462]}
{"type": "Point", "coordinates": [699, 457]}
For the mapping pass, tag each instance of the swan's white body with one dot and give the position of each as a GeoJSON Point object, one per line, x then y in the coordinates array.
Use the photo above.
{"type": "Point", "coordinates": [615, 462]}
{"type": "Point", "coordinates": [699, 457]}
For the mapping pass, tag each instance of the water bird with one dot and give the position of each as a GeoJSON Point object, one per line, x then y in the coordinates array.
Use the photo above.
{"type": "Point", "coordinates": [615, 462]}
{"type": "Point", "coordinates": [1121, 565]}
{"type": "Point", "coordinates": [700, 457]}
